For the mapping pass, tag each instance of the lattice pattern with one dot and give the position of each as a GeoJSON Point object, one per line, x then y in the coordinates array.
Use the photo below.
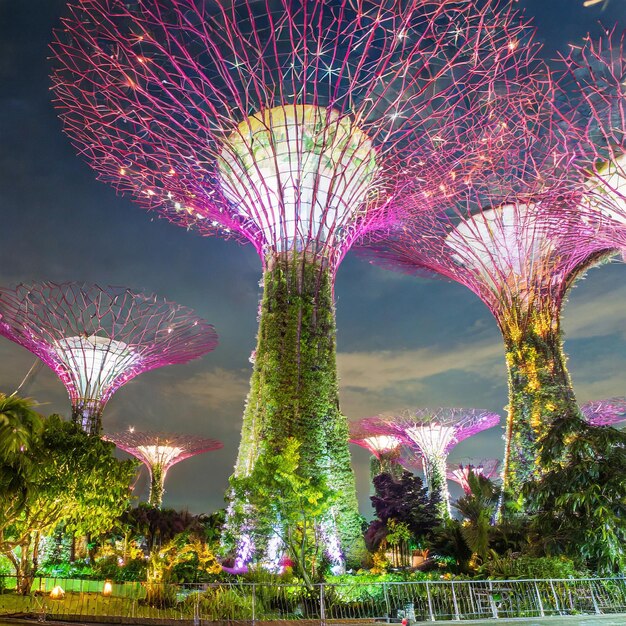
{"type": "Point", "coordinates": [98, 338]}
{"type": "Point", "coordinates": [604, 412]}
{"type": "Point", "coordinates": [289, 124]}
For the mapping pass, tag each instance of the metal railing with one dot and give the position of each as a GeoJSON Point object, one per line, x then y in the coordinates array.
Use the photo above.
{"type": "Point", "coordinates": [387, 602]}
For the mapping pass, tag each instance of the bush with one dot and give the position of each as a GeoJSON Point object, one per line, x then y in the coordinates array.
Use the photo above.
{"type": "Point", "coordinates": [223, 603]}
{"type": "Point", "coordinates": [108, 568]}
{"type": "Point", "coordinates": [524, 566]}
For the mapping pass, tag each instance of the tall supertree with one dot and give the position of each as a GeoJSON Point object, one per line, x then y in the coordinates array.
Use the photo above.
{"type": "Point", "coordinates": [291, 125]}
{"type": "Point", "coordinates": [433, 433]}
{"type": "Point", "coordinates": [514, 234]}
{"type": "Point", "coordinates": [384, 448]}
{"type": "Point", "coordinates": [604, 412]}
{"type": "Point", "coordinates": [159, 451]}
{"type": "Point", "coordinates": [96, 339]}
{"type": "Point", "coordinates": [460, 472]}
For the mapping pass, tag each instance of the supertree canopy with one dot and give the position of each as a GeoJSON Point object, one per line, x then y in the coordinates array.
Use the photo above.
{"type": "Point", "coordinates": [460, 472]}
{"type": "Point", "coordinates": [384, 448]}
{"type": "Point", "coordinates": [292, 125]}
{"type": "Point", "coordinates": [514, 234]}
{"type": "Point", "coordinates": [604, 412]}
{"type": "Point", "coordinates": [159, 451]}
{"type": "Point", "coordinates": [433, 433]}
{"type": "Point", "coordinates": [96, 339]}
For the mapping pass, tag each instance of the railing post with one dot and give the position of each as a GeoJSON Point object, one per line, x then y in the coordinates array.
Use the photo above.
{"type": "Point", "coordinates": [431, 615]}
{"type": "Point", "coordinates": [556, 598]}
{"type": "Point", "coordinates": [492, 602]}
{"type": "Point", "coordinates": [541, 612]}
{"type": "Point", "coordinates": [596, 608]}
{"type": "Point", "coordinates": [322, 607]}
{"type": "Point", "coordinates": [386, 594]}
{"type": "Point", "coordinates": [196, 608]}
{"type": "Point", "coordinates": [457, 617]}
{"type": "Point", "coordinates": [253, 604]}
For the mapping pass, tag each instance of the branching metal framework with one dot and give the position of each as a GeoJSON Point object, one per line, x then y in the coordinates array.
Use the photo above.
{"type": "Point", "coordinates": [292, 125]}
{"type": "Point", "coordinates": [460, 473]}
{"type": "Point", "coordinates": [159, 451]}
{"type": "Point", "coordinates": [514, 234]}
{"type": "Point", "coordinates": [96, 339]}
{"type": "Point", "coordinates": [384, 448]}
{"type": "Point", "coordinates": [594, 83]}
{"type": "Point", "coordinates": [433, 433]}
{"type": "Point", "coordinates": [604, 412]}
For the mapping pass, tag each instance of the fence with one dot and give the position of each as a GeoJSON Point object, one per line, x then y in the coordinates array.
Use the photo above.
{"type": "Point", "coordinates": [325, 603]}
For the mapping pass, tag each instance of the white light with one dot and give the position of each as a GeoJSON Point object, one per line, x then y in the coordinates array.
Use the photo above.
{"type": "Point", "coordinates": [300, 173]}
{"type": "Point", "coordinates": [382, 443]}
{"type": "Point", "coordinates": [503, 244]}
{"type": "Point", "coordinates": [611, 182]}
{"type": "Point", "coordinates": [160, 454]}
{"type": "Point", "coordinates": [94, 361]}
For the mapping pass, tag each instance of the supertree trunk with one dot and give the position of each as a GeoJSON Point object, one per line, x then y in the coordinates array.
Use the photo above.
{"type": "Point", "coordinates": [294, 391]}
{"type": "Point", "coordinates": [386, 464]}
{"type": "Point", "coordinates": [157, 480]}
{"type": "Point", "coordinates": [436, 481]}
{"type": "Point", "coordinates": [88, 415]}
{"type": "Point", "coordinates": [540, 392]}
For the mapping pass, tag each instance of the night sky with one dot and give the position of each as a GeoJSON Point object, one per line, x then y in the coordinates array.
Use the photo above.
{"type": "Point", "coordinates": [402, 341]}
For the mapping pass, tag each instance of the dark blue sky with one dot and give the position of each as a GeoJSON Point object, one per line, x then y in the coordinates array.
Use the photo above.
{"type": "Point", "coordinates": [402, 341]}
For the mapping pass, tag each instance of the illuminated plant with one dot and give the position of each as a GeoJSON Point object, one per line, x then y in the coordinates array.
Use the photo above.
{"type": "Point", "coordinates": [96, 339]}
{"type": "Point", "coordinates": [459, 473]}
{"type": "Point", "coordinates": [604, 412]}
{"type": "Point", "coordinates": [159, 451]}
{"type": "Point", "coordinates": [514, 234]}
{"type": "Point", "coordinates": [291, 125]}
{"type": "Point", "coordinates": [384, 448]}
{"type": "Point", "coordinates": [433, 433]}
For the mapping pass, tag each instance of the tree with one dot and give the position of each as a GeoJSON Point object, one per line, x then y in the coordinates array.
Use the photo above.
{"type": "Point", "coordinates": [76, 481]}
{"type": "Point", "coordinates": [578, 505]}
{"type": "Point", "coordinates": [401, 505]}
{"type": "Point", "coordinates": [20, 428]}
{"type": "Point", "coordinates": [478, 509]}
{"type": "Point", "coordinates": [276, 489]}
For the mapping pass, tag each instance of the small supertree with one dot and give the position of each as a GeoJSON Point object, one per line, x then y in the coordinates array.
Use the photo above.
{"type": "Point", "coordinates": [384, 448]}
{"type": "Point", "coordinates": [604, 412]}
{"type": "Point", "coordinates": [159, 451]}
{"type": "Point", "coordinates": [433, 433]}
{"type": "Point", "coordinates": [96, 339]}
{"type": "Point", "coordinates": [291, 125]}
{"type": "Point", "coordinates": [459, 473]}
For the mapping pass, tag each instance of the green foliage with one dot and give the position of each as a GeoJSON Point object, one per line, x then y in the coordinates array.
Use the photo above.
{"type": "Point", "coordinates": [284, 502]}
{"type": "Point", "coordinates": [524, 566]}
{"type": "Point", "coordinates": [478, 509]}
{"type": "Point", "coordinates": [294, 390]}
{"type": "Point", "coordinates": [76, 481]}
{"type": "Point", "coordinates": [579, 504]}
{"type": "Point", "coordinates": [223, 603]}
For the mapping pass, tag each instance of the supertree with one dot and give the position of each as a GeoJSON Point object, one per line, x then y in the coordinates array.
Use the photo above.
{"type": "Point", "coordinates": [514, 234]}
{"type": "Point", "coordinates": [96, 339]}
{"type": "Point", "coordinates": [433, 433]}
{"type": "Point", "coordinates": [159, 451]}
{"type": "Point", "coordinates": [604, 412]}
{"type": "Point", "coordinates": [290, 125]}
{"type": "Point", "coordinates": [384, 448]}
{"type": "Point", "coordinates": [460, 472]}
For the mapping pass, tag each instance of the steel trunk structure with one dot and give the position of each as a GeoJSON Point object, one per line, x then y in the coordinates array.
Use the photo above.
{"type": "Point", "coordinates": [159, 451]}
{"type": "Point", "coordinates": [290, 125]}
{"type": "Point", "coordinates": [96, 339]}
{"type": "Point", "coordinates": [433, 433]}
